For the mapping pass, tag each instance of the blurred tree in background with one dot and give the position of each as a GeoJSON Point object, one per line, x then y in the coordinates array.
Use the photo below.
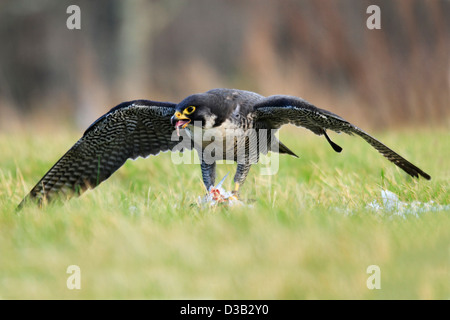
{"type": "Point", "coordinates": [320, 50]}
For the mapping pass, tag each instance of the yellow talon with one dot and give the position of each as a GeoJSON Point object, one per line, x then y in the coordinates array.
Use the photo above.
{"type": "Point", "coordinates": [235, 192]}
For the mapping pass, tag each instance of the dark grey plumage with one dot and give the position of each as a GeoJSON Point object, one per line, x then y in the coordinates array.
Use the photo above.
{"type": "Point", "coordinates": [132, 129]}
{"type": "Point", "coordinates": [143, 128]}
{"type": "Point", "coordinates": [278, 110]}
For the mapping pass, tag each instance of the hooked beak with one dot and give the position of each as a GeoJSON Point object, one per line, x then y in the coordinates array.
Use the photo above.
{"type": "Point", "coordinates": [179, 120]}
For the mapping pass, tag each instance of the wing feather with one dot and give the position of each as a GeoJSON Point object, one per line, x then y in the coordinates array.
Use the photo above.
{"type": "Point", "coordinates": [275, 111]}
{"type": "Point", "coordinates": [132, 129]}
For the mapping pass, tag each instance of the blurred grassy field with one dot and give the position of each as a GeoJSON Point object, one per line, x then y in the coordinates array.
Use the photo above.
{"type": "Point", "coordinates": [306, 234]}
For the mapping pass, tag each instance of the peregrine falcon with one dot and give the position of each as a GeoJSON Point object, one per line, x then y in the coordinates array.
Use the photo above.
{"type": "Point", "coordinates": [240, 125]}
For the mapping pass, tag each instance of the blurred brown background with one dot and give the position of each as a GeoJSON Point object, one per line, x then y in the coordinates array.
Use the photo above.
{"type": "Point", "coordinates": [166, 50]}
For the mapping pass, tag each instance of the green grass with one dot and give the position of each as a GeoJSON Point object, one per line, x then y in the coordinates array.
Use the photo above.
{"type": "Point", "coordinates": [306, 233]}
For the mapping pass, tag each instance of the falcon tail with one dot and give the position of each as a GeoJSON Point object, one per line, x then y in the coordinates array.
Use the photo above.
{"type": "Point", "coordinates": [283, 149]}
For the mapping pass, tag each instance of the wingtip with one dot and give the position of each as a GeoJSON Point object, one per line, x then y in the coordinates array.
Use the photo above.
{"type": "Point", "coordinates": [426, 175]}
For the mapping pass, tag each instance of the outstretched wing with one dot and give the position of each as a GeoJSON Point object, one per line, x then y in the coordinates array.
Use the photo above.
{"type": "Point", "coordinates": [275, 111]}
{"type": "Point", "coordinates": [132, 129]}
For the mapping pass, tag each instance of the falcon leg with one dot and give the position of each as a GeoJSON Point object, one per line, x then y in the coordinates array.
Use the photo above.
{"type": "Point", "coordinates": [208, 174]}
{"type": "Point", "coordinates": [240, 176]}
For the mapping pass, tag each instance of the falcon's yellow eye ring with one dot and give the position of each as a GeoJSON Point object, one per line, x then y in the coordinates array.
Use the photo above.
{"type": "Point", "coordinates": [189, 110]}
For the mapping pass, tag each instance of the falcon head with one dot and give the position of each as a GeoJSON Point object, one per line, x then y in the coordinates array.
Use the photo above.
{"type": "Point", "coordinates": [194, 110]}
